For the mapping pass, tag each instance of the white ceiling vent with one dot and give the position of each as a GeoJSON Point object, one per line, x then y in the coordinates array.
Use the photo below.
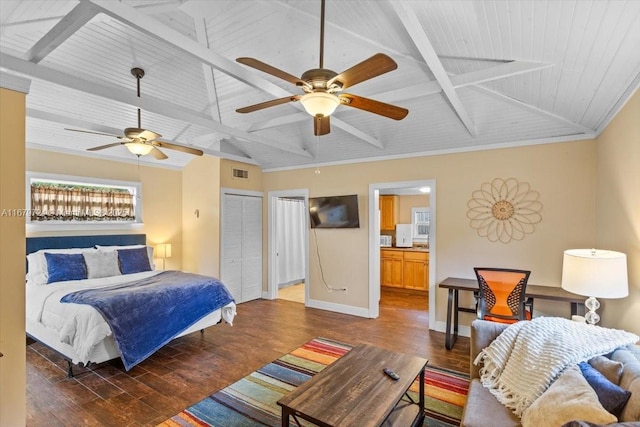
{"type": "Point", "coordinates": [240, 173]}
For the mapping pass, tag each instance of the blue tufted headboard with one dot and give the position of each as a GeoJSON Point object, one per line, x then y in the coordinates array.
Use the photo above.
{"type": "Point", "coordinates": [62, 242]}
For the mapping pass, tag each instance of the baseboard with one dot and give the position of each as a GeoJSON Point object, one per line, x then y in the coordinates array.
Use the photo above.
{"type": "Point", "coordinates": [463, 331]}
{"type": "Point", "coordinates": [339, 308]}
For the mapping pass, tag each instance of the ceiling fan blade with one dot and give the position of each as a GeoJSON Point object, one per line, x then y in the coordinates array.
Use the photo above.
{"type": "Point", "coordinates": [273, 102]}
{"type": "Point", "coordinates": [373, 106]}
{"type": "Point", "coordinates": [266, 68]}
{"type": "Point", "coordinates": [321, 125]}
{"type": "Point", "coordinates": [92, 132]}
{"type": "Point", "coordinates": [144, 134]}
{"type": "Point", "coordinates": [159, 155]}
{"type": "Point", "coordinates": [376, 65]}
{"type": "Point", "coordinates": [171, 146]}
{"type": "Point", "coordinates": [102, 147]}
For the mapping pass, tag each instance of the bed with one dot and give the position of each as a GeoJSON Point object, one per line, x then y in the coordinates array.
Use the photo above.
{"type": "Point", "coordinates": [70, 280]}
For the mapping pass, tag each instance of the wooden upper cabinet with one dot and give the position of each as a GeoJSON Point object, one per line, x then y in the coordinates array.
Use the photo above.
{"type": "Point", "coordinates": [389, 211]}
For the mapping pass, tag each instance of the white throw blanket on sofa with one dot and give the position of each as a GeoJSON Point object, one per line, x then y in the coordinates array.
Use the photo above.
{"type": "Point", "coordinates": [523, 361]}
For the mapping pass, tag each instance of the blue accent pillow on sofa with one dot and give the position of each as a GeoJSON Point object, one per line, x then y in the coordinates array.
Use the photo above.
{"type": "Point", "coordinates": [133, 260]}
{"type": "Point", "coordinates": [611, 396]}
{"type": "Point", "coordinates": [64, 267]}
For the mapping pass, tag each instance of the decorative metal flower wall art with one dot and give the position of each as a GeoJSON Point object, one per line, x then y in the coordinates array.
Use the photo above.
{"type": "Point", "coordinates": [504, 210]}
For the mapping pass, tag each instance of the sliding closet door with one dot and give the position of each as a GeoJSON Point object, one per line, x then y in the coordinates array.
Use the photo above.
{"type": "Point", "coordinates": [242, 246]}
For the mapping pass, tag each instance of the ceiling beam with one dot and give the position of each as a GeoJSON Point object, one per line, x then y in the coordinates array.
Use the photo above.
{"type": "Point", "coordinates": [336, 122]}
{"type": "Point", "coordinates": [65, 28]}
{"type": "Point", "coordinates": [75, 122]}
{"type": "Point", "coordinates": [278, 121]}
{"type": "Point", "coordinates": [160, 7]}
{"type": "Point", "coordinates": [500, 71]}
{"type": "Point", "coordinates": [416, 32]}
{"type": "Point", "coordinates": [538, 111]}
{"type": "Point", "coordinates": [207, 70]}
{"type": "Point", "coordinates": [37, 24]}
{"type": "Point", "coordinates": [147, 103]}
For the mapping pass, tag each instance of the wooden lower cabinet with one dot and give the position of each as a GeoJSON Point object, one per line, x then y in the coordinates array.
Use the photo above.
{"type": "Point", "coordinates": [404, 269]}
{"type": "Point", "coordinates": [391, 268]}
{"type": "Point", "coordinates": [416, 270]}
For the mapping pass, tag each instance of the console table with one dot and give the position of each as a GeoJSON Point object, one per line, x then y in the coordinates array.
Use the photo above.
{"type": "Point", "coordinates": [353, 391]}
{"type": "Point", "coordinates": [455, 285]}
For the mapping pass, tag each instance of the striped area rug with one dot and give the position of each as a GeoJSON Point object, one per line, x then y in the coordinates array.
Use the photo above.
{"type": "Point", "coordinates": [252, 400]}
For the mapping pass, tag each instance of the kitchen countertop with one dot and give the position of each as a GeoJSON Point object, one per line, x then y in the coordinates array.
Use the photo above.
{"type": "Point", "coordinates": [413, 249]}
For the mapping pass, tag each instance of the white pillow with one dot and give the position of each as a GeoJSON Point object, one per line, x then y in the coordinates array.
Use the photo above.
{"type": "Point", "coordinates": [101, 264]}
{"type": "Point", "coordinates": [115, 248]}
{"type": "Point", "coordinates": [37, 273]}
{"type": "Point", "coordinates": [569, 398]}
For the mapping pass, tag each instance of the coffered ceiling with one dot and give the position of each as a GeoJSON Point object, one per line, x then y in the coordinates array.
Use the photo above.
{"type": "Point", "coordinates": [473, 74]}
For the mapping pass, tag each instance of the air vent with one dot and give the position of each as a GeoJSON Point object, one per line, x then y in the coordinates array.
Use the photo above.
{"type": "Point", "coordinates": [240, 173]}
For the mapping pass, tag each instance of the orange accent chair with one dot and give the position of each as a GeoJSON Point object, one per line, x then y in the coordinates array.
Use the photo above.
{"type": "Point", "coordinates": [501, 295]}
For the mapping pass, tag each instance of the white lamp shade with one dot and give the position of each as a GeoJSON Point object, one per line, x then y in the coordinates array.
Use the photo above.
{"type": "Point", "coordinates": [139, 149]}
{"type": "Point", "coordinates": [320, 103]}
{"type": "Point", "coordinates": [163, 250]}
{"type": "Point", "coordinates": [595, 273]}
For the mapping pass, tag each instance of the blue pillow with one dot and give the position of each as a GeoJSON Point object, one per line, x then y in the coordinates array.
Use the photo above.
{"type": "Point", "coordinates": [64, 267]}
{"type": "Point", "coordinates": [611, 396]}
{"type": "Point", "coordinates": [133, 260]}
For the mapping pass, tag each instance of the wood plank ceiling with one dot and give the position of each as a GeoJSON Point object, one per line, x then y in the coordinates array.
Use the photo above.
{"type": "Point", "coordinates": [473, 74]}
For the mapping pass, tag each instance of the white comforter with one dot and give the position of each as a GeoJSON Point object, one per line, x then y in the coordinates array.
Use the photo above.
{"type": "Point", "coordinates": [79, 325]}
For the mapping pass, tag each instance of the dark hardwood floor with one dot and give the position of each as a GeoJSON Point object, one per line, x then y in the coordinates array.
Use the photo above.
{"type": "Point", "coordinates": [192, 367]}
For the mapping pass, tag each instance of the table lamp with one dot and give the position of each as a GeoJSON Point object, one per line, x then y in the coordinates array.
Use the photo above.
{"type": "Point", "coordinates": [164, 251]}
{"type": "Point", "coordinates": [595, 273]}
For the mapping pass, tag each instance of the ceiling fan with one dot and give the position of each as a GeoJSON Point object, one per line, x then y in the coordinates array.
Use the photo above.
{"type": "Point", "coordinates": [322, 87]}
{"type": "Point", "coordinates": [141, 141]}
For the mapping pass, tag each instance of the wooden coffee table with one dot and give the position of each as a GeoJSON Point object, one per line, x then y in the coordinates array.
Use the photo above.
{"type": "Point", "coordinates": [354, 391]}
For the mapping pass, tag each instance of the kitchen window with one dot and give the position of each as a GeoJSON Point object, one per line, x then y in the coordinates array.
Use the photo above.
{"type": "Point", "coordinates": [420, 219]}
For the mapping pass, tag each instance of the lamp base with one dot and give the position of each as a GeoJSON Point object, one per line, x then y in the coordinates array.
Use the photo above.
{"type": "Point", "coordinates": [592, 305]}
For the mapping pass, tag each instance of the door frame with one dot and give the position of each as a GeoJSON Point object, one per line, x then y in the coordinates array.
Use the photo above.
{"type": "Point", "coordinates": [374, 243]}
{"type": "Point", "coordinates": [272, 197]}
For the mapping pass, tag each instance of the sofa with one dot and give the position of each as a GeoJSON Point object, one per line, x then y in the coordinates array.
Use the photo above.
{"type": "Point", "coordinates": [482, 409]}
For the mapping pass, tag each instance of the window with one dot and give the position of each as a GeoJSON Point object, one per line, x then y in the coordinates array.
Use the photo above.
{"type": "Point", "coordinates": [57, 200]}
{"type": "Point", "coordinates": [420, 218]}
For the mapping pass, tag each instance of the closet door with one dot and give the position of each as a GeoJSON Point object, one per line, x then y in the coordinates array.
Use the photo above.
{"type": "Point", "coordinates": [242, 246]}
{"type": "Point", "coordinates": [232, 246]}
{"type": "Point", "coordinates": [251, 248]}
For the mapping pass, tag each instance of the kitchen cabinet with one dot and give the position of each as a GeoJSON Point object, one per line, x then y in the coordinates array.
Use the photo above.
{"type": "Point", "coordinates": [415, 270]}
{"type": "Point", "coordinates": [389, 212]}
{"type": "Point", "coordinates": [407, 269]}
{"type": "Point", "coordinates": [391, 268]}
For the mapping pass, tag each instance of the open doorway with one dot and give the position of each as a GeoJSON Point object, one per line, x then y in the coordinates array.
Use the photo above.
{"type": "Point", "coordinates": [421, 226]}
{"type": "Point", "coordinates": [288, 243]}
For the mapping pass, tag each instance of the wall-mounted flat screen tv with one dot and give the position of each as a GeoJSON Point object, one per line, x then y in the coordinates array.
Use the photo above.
{"type": "Point", "coordinates": [334, 212]}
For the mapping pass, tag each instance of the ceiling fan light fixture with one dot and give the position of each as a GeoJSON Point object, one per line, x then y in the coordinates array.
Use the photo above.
{"type": "Point", "coordinates": [139, 149]}
{"type": "Point", "coordinates": [320, 103]}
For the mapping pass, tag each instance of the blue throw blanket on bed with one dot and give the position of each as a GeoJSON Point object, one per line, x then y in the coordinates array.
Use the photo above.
{"type": "Point", "coordinates": [146, 314]}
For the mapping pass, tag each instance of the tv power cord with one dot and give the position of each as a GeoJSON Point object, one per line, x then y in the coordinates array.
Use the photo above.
{"type": "Point", "coordinates": [329, 288]}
